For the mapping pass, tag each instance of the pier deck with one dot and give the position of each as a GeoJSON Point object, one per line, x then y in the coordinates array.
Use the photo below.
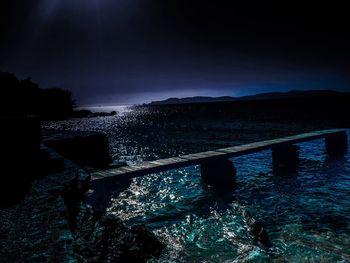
{"type": "Point", "coordinates": [224, 153]}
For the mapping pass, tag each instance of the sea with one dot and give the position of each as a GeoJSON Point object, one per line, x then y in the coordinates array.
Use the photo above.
{"type": "Point", "coordinates": [306, 213]}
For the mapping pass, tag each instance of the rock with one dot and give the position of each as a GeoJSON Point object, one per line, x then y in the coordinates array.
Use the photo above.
{"type": "Point", "coordinates": [91, 150]}
{"type": "Point", "coordinates": [147, 244]}
{"type": "Point", "coordinates": [12, 191]}
{"type": "Point", "coordinates": [20, 139]}
{"type": "Point", "coordinates": [23, 132]}
{"type": "Point", "coordinates": [73, 193]}
{"type": "Point", "coordinates": [49, 163]}
{"type": "Point", "coordinates": [257, 230]}
{"type": "Point", "coordinates": [108, 239]}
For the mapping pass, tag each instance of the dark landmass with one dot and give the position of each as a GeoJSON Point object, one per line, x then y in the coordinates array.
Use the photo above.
{"type": "Point", "coordinates": [90, 114]}
{"type": "Point", "coordinates": [261, 96]}
{"type": "Point", "coordinates": [91, 150]}
{"type": "Point", "coordinates": [328, 107]}
{"type": "Point", "coordinates": [24, 97]}
{"type": "Point", "coordinates": [198, 99]}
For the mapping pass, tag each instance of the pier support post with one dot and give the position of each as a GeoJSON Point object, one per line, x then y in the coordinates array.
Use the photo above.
{"type": "Point", "coordinates": [285, 158]}
{"type": "Point", "coordinates": [337, 143]}
{"type": "Point", "coordinates": [220, 173]}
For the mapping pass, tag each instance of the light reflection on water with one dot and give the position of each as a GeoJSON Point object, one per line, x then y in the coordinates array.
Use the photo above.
{"type": "Point", "coordinates": [306, 214]}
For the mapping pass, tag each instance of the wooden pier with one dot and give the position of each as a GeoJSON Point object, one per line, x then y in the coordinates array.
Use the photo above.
{"type": "Point", "coordinates": [215, 165]}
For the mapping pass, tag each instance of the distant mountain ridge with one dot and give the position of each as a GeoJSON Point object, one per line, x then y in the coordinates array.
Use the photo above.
{"type": "Point", "coordinates": [260, 96]}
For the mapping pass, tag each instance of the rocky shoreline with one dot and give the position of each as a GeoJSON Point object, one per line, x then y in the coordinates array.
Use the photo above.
{"type": "Point", "coordinates": [54, 223]}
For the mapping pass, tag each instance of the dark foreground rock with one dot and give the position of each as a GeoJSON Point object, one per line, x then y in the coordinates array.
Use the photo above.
{"type": "Point", "coordinates": [20, 139]}
{"type": "Point", "coordinates": [54, 224]}
{"type": "Point", "coordinates": [36, 229]}
{"type": "Point", "coordinates": [110, 240]}
{"type": "Point", "coordinates": [257, 230]}
{"type": "Point", "coordinates": [91, 150]}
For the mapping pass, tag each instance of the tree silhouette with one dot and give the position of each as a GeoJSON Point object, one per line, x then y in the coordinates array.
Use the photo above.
{"type": "Point", "coordinates": [24, 97]}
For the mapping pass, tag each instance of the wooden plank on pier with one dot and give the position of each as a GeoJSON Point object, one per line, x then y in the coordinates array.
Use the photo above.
{"type": "Point", "coordinates": [197, 158]}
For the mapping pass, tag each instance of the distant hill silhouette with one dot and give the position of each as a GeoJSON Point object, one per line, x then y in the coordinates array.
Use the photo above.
{"type": "Point", "coordinates": [198, 99]}
{"type": "Point", "coordinates": [24, 97]}
{"type": "Point", "coordinates": [261, 96]}
{"type": "Point", "coordinates": [323, 107]}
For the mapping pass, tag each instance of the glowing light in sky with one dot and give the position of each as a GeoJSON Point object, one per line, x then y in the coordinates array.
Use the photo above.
{"type": "Point", "coordinates": [47, 7]}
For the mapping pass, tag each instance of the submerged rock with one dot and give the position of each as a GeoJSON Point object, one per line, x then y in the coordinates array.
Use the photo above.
{"type": "Point", "coordinates": [257, 230]}
{"type": "Point", "coordinates": [91, 150]}
{"type": "Point", "coordinates": [102, 238]}
{"type": "Point", "coordinates": [107, 239]}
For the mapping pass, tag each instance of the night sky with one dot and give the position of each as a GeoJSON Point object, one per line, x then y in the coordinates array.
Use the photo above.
{"type": "Point", "coordinates": [135, 51]}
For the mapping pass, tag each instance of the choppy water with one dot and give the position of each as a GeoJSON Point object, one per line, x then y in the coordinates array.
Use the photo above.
{"type": "Point", "coordinates": [306, 214]}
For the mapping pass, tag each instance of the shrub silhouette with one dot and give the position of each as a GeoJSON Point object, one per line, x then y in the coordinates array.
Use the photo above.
{"type": "Point", "coordinates": [55, 103]}
{"type": "Point", "coordinates": [24, 97]}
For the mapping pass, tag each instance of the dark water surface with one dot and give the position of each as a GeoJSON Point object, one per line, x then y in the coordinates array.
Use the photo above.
{"type": "Point", "coordinates": [306, 214]}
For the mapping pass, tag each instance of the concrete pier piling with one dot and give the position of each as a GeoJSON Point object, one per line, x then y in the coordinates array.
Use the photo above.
{"type": "Point", "coordinates": [220, 173]}
{"type": "Point", "coordinates": [285, 158]}
{"type": "Point", "coordinates": [337, 143]}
